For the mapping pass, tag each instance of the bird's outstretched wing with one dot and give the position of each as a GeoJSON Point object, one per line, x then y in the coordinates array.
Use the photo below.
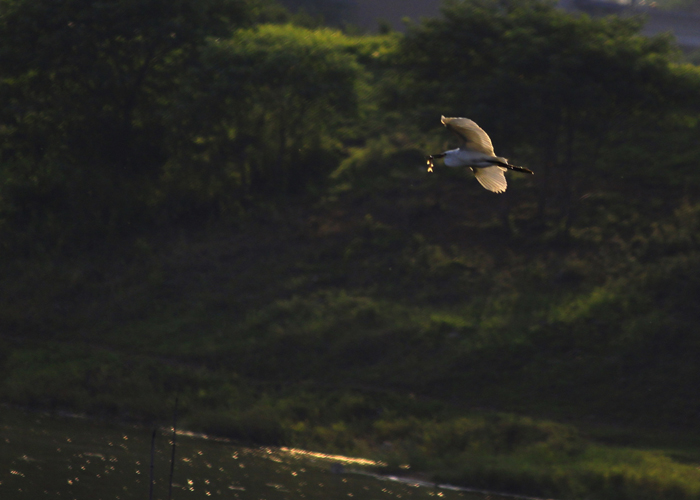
{"type": "Point", "coordinates": [474, 136]}
{"type": "Point", "coordinates": [492, 178]}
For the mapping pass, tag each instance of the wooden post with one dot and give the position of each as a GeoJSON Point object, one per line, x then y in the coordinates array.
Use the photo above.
{"type": "Point", "coordinates": [172, 454]}
{"type": "Point", "coordinates": [153, 457]}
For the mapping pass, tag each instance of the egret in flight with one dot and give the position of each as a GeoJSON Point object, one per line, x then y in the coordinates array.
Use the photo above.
{"type": "Point", "coordinates": [476, 152]}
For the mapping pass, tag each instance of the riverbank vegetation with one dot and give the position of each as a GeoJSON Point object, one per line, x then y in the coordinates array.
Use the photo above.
{"type": "Point", "coordinates": [227, 203]}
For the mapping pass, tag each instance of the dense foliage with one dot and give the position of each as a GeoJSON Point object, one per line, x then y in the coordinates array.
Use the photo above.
{"type": "Point", "coordinates": [562, 92]}
{"type": "Point", "coordinates": [86, 87]}
{"type": "Point", "coordinates": [219, 200]}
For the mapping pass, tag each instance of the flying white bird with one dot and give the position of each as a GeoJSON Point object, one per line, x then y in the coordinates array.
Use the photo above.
{"type": "Point", "coordinates": [476, 152]}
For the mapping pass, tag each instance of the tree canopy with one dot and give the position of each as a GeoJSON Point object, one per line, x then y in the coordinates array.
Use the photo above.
{"type": "Point", "coordinates": [265, 110]}
{"type": "Point", "coordinates": [564, 90]}
{"type": "Point", "coordinates": [123, 113]}
{"type": "Point", "coordinates": [85, 85]}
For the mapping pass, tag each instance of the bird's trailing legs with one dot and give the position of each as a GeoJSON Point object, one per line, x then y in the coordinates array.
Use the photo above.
{"type": "Point", "coordinates": [431, 158]}
{"type": "Point", "coordinates": [521, 169]}
{"type": "Point", "coordinates": [514, 167]}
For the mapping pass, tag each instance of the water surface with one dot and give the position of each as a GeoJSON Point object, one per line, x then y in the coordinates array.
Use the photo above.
{"type": "Point", "coordinates": [83, 459]}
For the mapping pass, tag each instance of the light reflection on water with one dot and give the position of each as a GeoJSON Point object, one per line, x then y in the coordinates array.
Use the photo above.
{"type": "Point", "coordinates": [74, 458]}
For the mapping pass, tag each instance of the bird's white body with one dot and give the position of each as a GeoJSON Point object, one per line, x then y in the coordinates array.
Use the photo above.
{"type": "Point", "coordinates": [469, 158]}
{"type": "Point", "coordinates": [490, 176]}
{"type": "Point", "coordinates": [477, 153]}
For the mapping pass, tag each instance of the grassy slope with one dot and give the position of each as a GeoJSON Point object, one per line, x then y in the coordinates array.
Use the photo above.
{"type": "Point", "coordinates": [399, 318]}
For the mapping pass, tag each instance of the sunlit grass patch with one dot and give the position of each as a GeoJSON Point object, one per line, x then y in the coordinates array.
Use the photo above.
{"type": "Point", "coordinates": [606, 472]}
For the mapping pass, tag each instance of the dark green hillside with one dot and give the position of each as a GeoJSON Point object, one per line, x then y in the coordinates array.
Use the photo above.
{"type": "Point", "coordinates": [268, 246]}
{"type": "Point", "coordinates": [361, 321]}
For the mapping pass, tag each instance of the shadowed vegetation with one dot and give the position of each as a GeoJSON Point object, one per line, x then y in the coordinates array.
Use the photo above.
{"type": "Point", "coordinates": [240, 215]}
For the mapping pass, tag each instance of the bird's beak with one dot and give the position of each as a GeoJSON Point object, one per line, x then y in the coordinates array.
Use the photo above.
{"type": "Point", "coordinates": [431, 158]}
